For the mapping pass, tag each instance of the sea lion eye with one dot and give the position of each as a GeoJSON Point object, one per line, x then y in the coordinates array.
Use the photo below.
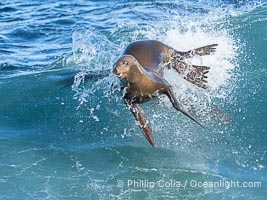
{"type": "Point", "coordinates": [123, 62]}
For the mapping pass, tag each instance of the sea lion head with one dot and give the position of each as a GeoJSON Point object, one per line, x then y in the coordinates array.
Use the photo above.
{"type": "Point", "coordinates": [124, 66]}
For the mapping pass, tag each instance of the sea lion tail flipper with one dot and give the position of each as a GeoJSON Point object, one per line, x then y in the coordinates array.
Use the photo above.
{"type": "Point", "coordinates": [143, 121]}
{"type": "Point", "coordinates": [201, 51]}
{"type": "Point", "coordinates": [179, 107]}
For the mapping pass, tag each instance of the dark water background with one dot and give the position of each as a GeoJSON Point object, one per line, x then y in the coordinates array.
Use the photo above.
{"type": "Point", "coordinates": [65, 132]}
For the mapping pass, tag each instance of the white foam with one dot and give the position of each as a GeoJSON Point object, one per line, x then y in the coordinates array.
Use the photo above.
{"type": "Point", "coordinates": [221, 64]}
{"type": "Point", "coordinates": [93, 51]}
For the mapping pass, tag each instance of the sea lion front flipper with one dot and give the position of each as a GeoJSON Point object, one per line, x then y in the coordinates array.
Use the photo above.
{"type": "Point", "coordinates": [143, 121]}
{"type": "Point", "coordinates": [178, 106]}
{"type": "Point", "coordinates": [201, 51]}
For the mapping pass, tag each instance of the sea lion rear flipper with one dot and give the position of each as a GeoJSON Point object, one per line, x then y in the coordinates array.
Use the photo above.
{"type": "Point", "coordinates": [192, 73]}
{"type": "Point", "coordinates": [178, 106]}
{"type": "Point", "coordinates": [197, 75]}
{"type": "Point", "coordinates": [201, 51]}
{"type": "Point", "coordinates": [143, 121]}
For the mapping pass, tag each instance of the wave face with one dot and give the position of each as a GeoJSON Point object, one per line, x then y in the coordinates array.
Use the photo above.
{"type": "Point", "coordinates": [65, 132]}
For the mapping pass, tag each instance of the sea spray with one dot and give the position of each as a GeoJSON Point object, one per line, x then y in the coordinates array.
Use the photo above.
{"type": "Point", "coordinates": [93, 52]}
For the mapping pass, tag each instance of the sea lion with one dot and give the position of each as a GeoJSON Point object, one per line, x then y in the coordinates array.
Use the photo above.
{"type": "Point", "coordinates": [141, 66]}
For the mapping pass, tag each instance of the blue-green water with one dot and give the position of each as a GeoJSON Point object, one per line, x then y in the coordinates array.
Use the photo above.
{"type": "Point", "coordinates": [65, 132]}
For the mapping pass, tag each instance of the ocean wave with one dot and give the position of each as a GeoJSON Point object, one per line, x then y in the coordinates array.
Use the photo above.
{"type": "Point", "coordinates": [71, 135]}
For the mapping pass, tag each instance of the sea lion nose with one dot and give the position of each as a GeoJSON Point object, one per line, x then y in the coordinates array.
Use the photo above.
{"type": "Point", "coordinates": [114, 71]}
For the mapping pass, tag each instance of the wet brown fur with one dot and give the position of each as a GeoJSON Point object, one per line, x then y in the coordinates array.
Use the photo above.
{"type": "Point", "coordinates": [141, 65]}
